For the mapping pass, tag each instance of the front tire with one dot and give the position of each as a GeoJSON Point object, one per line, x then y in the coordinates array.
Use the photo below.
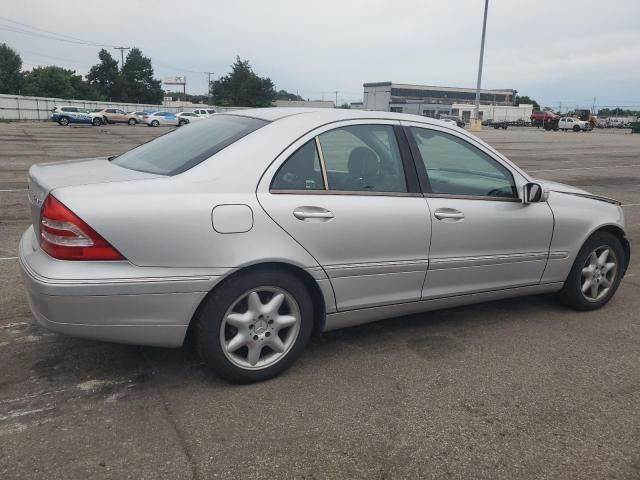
{"type": "Point", "coordinates": [576, 128]}
{"type": "Point", "coordinates": [596, 273]}
{"type": "Point", "coordinates": [132, 121]}
{"type": "Point", "coordinates": [155, 123]}
{"type": "Point", "coordinates": [253, 327]}
{"type": "Point", "coordinates": [96, 122]}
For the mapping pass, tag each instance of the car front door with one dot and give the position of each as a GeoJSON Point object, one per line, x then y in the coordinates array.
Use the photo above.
{"type": "Point", "coordinates": [483, 236]}
{"type": "Point", "coordinates": [349, 195]}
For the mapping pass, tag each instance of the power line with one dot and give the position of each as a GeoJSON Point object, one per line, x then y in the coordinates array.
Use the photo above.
{"type": "Point", "coordinates": [84, 64]}
{"type": "Point", "coordinates": [51, 36]}
{"type": "Point", "coordinates": [48, 31]}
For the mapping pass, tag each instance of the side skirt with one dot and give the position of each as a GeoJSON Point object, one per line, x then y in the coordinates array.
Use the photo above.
{"type": "Point", "coordinates": [350, 318]}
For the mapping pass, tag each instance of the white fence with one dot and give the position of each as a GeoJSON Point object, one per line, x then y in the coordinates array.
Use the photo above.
{"type": "Point", "coordinates": [18, 107]}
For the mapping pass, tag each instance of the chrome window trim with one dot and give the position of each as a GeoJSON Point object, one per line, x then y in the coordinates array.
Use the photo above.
{"type": "Point", "coordinates": [473, 197]}
{"type": "Point", "coordinates": [363, 193]}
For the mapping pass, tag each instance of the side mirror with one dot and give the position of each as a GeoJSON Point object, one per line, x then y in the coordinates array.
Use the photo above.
{"type": "Point", "coordinates": [533, 192]}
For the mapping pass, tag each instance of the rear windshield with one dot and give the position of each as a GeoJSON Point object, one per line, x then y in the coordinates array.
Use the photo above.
{"type": "Point", "coordinates": [187, 146]}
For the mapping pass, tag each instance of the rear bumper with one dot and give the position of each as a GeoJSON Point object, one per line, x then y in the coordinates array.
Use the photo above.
{"type": "Point", "coordinates": [127, 306]}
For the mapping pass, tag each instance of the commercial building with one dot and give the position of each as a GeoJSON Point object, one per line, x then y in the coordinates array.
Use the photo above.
{"type": "Point", "coordinates": [304, 103]}
{"type": "Point", "coordinates": [432, 101]}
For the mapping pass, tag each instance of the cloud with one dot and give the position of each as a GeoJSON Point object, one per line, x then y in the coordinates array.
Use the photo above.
{"type": "Point", "coordinates": [551, 50]}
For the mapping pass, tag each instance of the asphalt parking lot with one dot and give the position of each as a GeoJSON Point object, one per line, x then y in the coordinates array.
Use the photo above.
{"type": "Point", "coordinates": [521, 389]}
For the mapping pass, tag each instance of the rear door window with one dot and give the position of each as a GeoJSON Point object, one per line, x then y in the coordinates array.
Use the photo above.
{"type": "Point", "coordinates": [363, 158]}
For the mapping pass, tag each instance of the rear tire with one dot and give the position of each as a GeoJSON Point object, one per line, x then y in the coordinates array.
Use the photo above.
{"type": "Point", "coordinates": [236, 321]}
{"type": "Point", "coordinates": [155, 123]}
{"type": "Point", "coordinates": [132, 121]}
{"type": "Point", "coordinates": [594, 277]}
{"type": "Point", "coordinates": [64, 121]}
{"type": "Point", "coordinates": [96, 122]}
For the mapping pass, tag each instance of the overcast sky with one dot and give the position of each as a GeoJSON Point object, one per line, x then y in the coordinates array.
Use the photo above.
{"type": "Point", "coordinates": [552, 50]}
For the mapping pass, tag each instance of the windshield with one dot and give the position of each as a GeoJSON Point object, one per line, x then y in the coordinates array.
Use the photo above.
{"type": "Point", "coordinates": [182, 149]}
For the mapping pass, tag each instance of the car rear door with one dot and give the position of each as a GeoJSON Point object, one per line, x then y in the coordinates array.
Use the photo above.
{"type": "Point", "coordinates": [121, 116]}
{"type": "Point", "coordinates": [348, 193]}
{"type": "Point", "coordinates": [169, 118]}
{"type": "Point", "coordinates": [483, 237]}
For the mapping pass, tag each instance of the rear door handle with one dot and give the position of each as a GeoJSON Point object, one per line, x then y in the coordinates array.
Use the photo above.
{"type": "Point", "coordinates": [450, 214]}
{"type": "Point", "coordinates": [313, 213]}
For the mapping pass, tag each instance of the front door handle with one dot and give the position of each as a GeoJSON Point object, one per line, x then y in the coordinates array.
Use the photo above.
{"type": "Point", "coordinates": [313, 213]}
{"type": "Point", "coordinates": [448, 214]}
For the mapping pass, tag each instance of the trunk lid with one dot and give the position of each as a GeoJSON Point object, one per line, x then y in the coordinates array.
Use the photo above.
{"type": "Point", "coordinates": [46, 177]}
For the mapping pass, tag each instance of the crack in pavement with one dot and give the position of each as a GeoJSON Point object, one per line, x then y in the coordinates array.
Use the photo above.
{"type": "Point", "coordinates": [170, 417]}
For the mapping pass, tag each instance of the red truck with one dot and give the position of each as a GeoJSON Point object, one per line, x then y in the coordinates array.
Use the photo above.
{"type": "Point", "coordinates": [547, 120]}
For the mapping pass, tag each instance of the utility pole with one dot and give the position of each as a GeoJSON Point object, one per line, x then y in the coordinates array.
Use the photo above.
{"type": "Point", "coordinates": [122, 49]}
{"type": "Point", "coordinates": [336, 92]}
{"type": "Point", "coordinates": [476, 125]}
{"type": "Point", "coordinates": [209, 88]}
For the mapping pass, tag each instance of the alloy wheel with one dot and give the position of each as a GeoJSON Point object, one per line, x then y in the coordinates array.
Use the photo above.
{"type": "Point", "coordinates": [598, 273]}
{"type": "Point", "coordinates": [260, 328]}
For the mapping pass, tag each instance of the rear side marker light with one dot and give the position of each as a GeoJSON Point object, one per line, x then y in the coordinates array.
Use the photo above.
{"type": "Point", "coordinates": [64, 236]}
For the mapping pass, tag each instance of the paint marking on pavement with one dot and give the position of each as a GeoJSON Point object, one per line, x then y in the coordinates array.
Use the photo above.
{"type": "Point", "coordinates": [13, 325]}
{"type": "Point", "coordinates": [24, 413]}
{"type": "Point", "coordinates": [14, 190]}
{"type": "Point", "coordinates": [8, 258]}
{"type": "Point", "coordinates": [630, 205]}
{"type": "Point", "coordinates": [583, 168]}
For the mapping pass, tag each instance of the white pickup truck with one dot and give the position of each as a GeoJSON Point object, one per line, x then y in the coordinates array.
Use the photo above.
{"type": "Point", "coordinates": [571, 123]}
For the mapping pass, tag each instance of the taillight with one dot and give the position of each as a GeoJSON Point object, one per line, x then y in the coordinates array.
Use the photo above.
{"type": "Point", "coordinates": [64, 236]}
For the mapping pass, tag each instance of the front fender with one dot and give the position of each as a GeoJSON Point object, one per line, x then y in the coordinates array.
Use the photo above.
{"type": "Point", "coordinates": [576, 218]}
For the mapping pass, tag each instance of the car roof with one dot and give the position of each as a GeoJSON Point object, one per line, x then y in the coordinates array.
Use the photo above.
{"type": "Point", "coordinates": [329, 114]}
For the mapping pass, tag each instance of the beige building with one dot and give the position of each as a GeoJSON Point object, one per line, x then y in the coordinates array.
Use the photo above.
{"type": "Point", "coordinates": [304, 104]}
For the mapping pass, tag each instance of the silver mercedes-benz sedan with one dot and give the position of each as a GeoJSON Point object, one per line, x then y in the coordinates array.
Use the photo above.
{"type": "Point", "coordinates": [253, 230]}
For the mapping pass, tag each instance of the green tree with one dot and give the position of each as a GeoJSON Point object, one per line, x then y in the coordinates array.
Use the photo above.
{"type": "Point", "coordinates": [104, 75]}
{"type": "Point", "coordinates": [50, 81]}
{"type": "Point", "coordinates": [243, 88]}
{"type": "Point", "coordinates": [83, 90]}
{"type": "Point", "coordinates": [284, 95]}
{"type": "Point", "coordinates": [11, 76]}
{"type": "Point", "coordinates": [527, 101]}
{"type": "Point", "coordinates": [136, 83]}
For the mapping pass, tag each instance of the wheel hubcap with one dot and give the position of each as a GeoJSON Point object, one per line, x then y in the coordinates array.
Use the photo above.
{"type": "Point", "coordinates": [260, 328]}
{"type": "Point", "coordinates": [598, 273]}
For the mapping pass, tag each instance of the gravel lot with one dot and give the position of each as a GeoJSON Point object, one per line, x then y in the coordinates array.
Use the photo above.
{"type": "Point", "coordinates": [513, 389]}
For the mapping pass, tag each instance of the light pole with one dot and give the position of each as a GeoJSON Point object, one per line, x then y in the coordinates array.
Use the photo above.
{"type": "Point", "coordinates": [476, 125]}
